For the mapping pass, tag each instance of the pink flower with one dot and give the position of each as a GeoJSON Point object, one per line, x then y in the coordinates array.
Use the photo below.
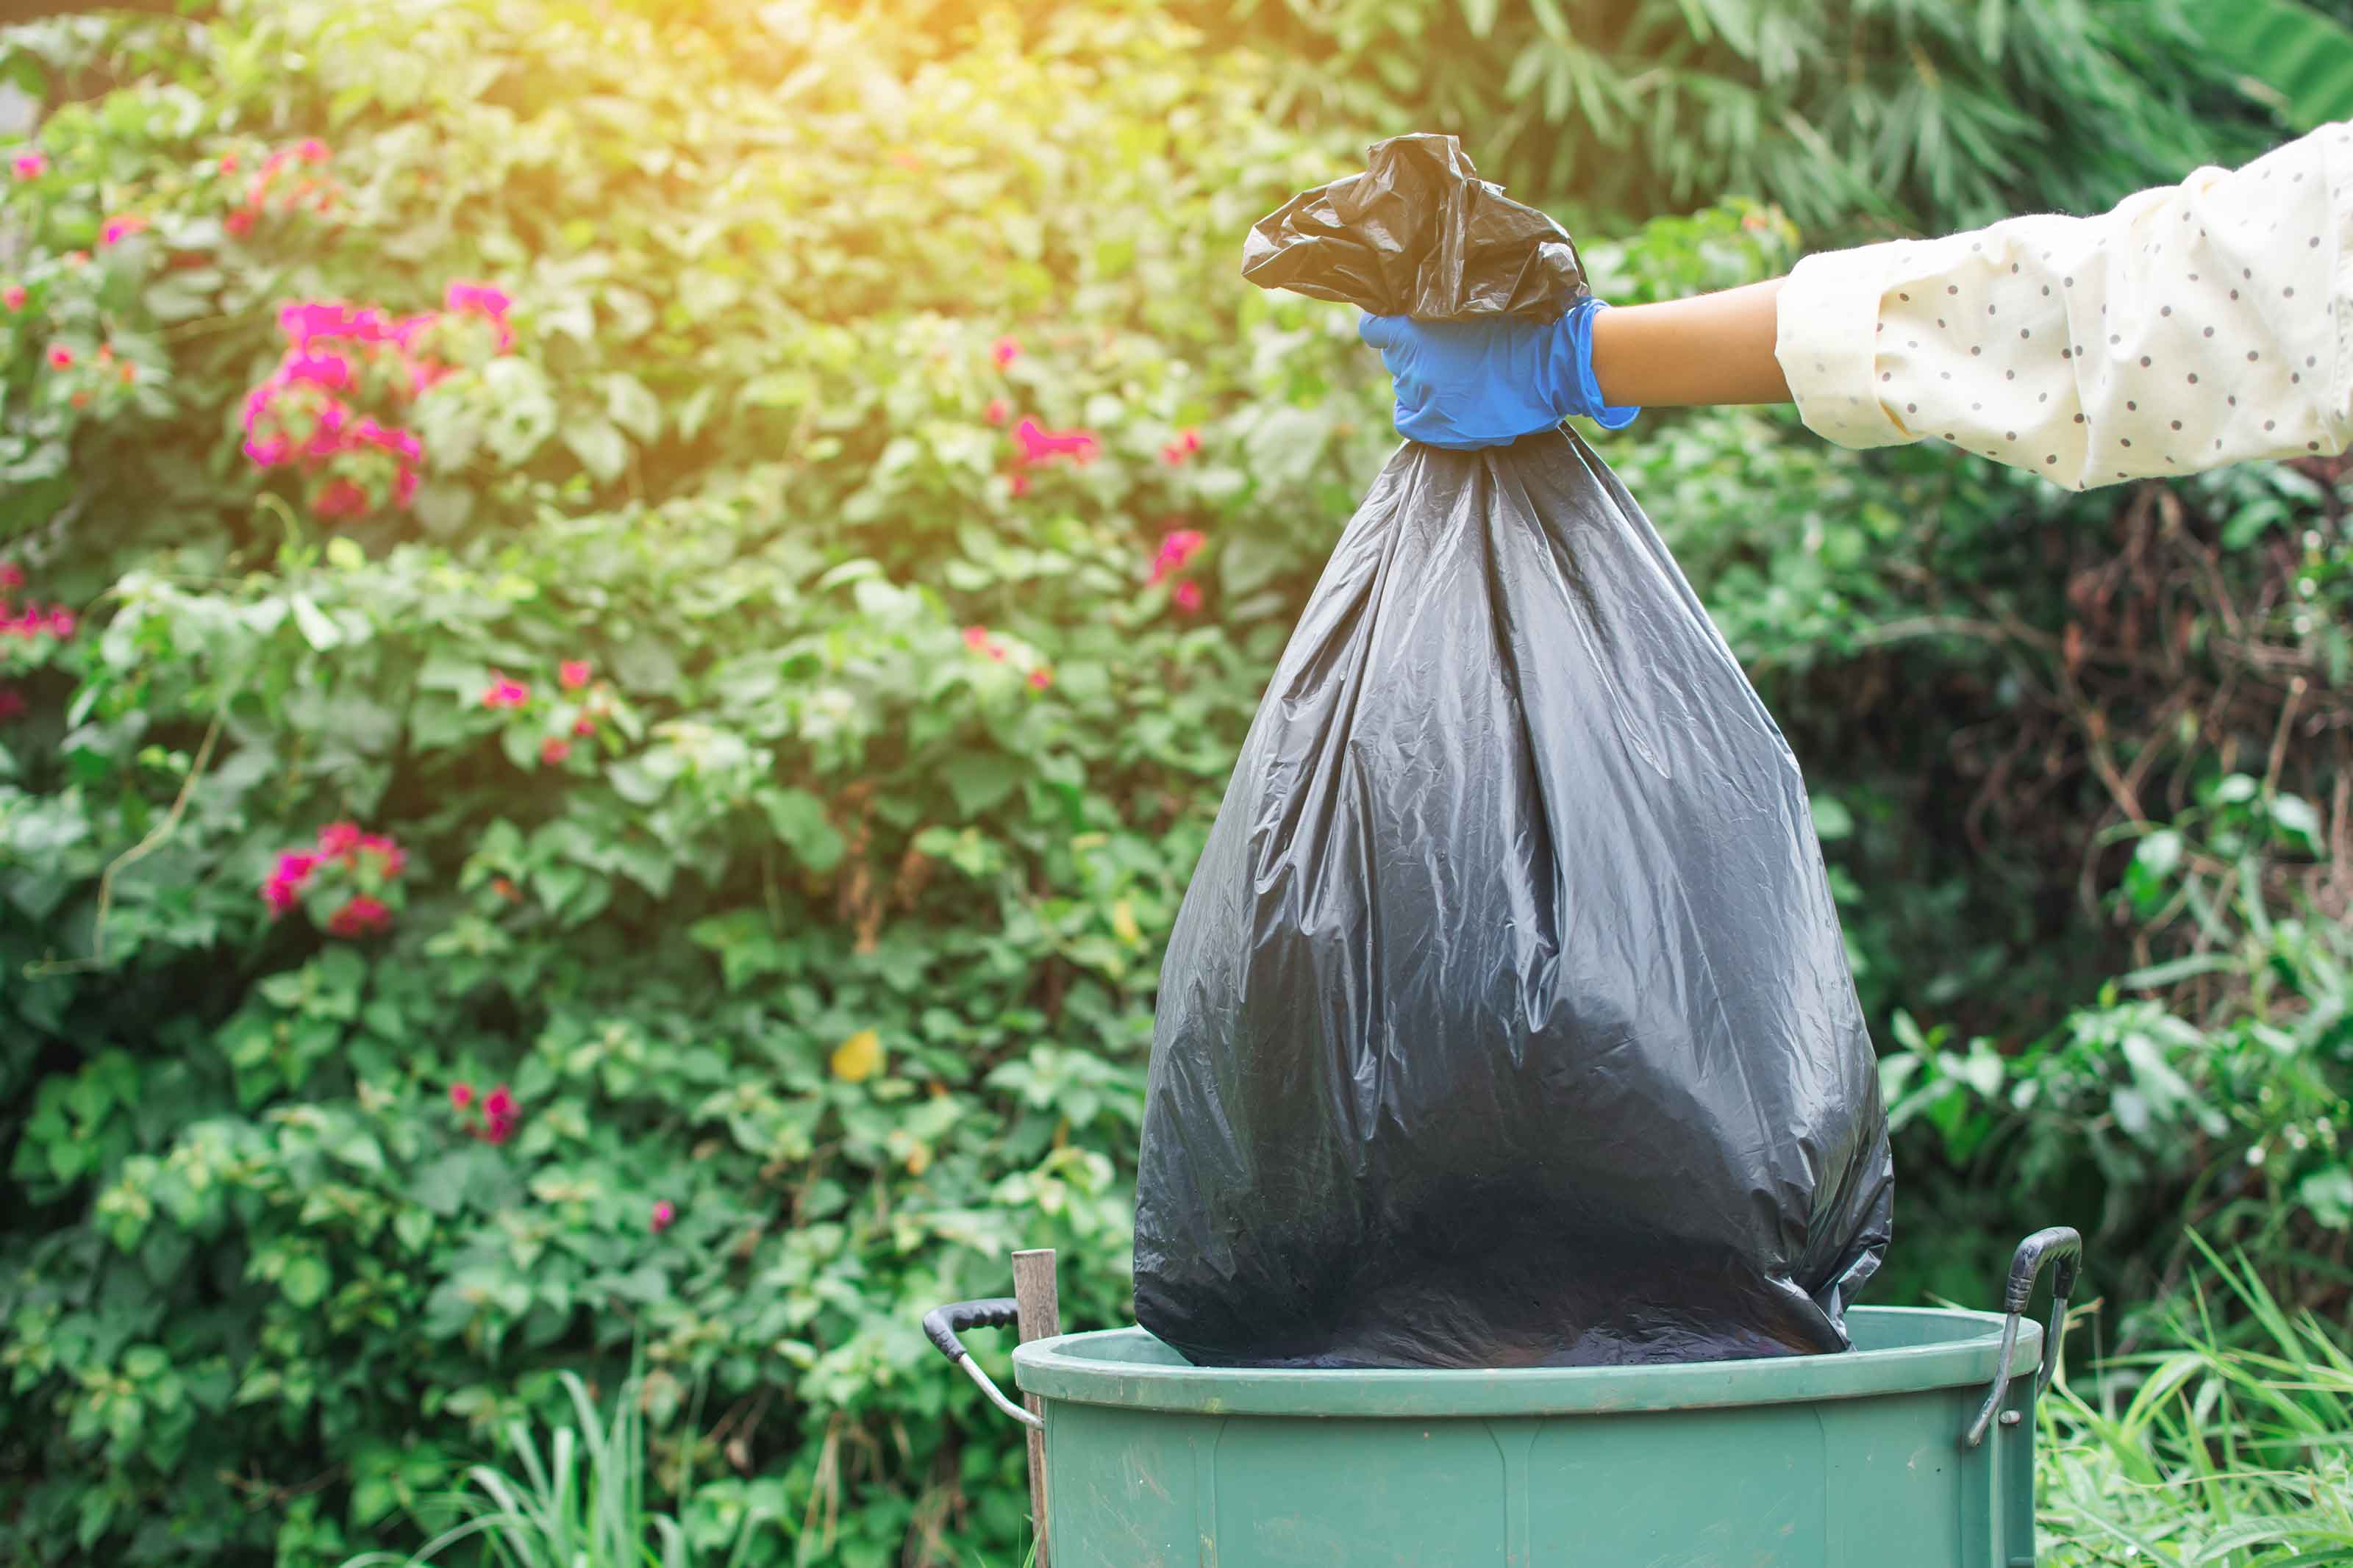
{"type": "Point", "coordinates": [12, 704]}
{"type": "Point", "coordinates": [477, 299]}
{"type": "Point", "coordinates": [1037, 443]}
{"type": "Point", "coordinates": [554, 750]}
{"type": "Point", "coordinates": [663, 1215]}
{"type": "Point", "coordinates": [484, 299]}
{"type": "Point", "coordinates": [584, 725]}
{"type": "Point", "coordinates": [499, 1116]}
{"type": "Point", "coordinates": [461, 1095]}
{"type": "Point", "coordinates": [1004, 350]}
{"type": "Point", "coordinates": [310, 150]}
{"type": "Point", "coordinates": [77, 258]}
{"type": "Point", "coordinates": [1182, 448]}
{"type": "Point", "coordinates": [1020, 486]}
{"type": "Point", "coordinates": [363, 916]}
{"type": "Point", "coordinates": [228, 163]}
{"type": "Point", "coordinates": [976, 638]}
{"type": "Point", "coordinates": [1176, 549]}
{"type": "Point", "coordinates": [119, 229]}
{"type": "Point", "coordinates": [60, 357]}
{"type": "Point", "coordinates": [996, 413]}
{"type": "Point", "coordinates": [61, 624]}
{"type": "Point", "coordinates": [301, 367]}
{"type": "Point", "coordinates": [239, 222]}
{"type": "Point", "coordinates": [572, 674]}
{"type": "Point", "coordinates": [12, 576]}
{"type": "Point", "coordinates": [390, 858]}
{"type": "Point", "coordinates": [267, 451]}
{"type": "Point", "coordinates": [284, 888]}
{"type": "Point", "coordinates": [1041, 678]}
{"type": "Point", "coordinates": [504, 692]}
{"type": "Point", "coordinates": [339, 839]}
{"type": "Point", "coordinates": [13, 296]}
{"type": "Point", "coordinates": [1188, 597]}
{"type": "Point", "coordinates": [29, 165]}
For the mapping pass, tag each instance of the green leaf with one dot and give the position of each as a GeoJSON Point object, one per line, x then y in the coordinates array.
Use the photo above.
{"type": "Point", "coordinates": [305, 1280]}
{"type": "Point", "coordinates": [443, 506]}
{"type": "Point", "coordinates": [2288, 54]}
{"type": "Point", "coordinates": [601, 448]}
{"type": "Point", "coordinates": [798, 818]}
{"type": "Point", "coordinates": [979, 780]}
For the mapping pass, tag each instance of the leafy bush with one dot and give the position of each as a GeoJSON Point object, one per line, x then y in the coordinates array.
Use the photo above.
{"type": "Point", "coordinates": [638, 800]}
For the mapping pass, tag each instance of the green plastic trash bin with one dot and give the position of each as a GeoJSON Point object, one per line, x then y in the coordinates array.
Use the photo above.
{"type": "Point", "coordinates": [1915, 1449]}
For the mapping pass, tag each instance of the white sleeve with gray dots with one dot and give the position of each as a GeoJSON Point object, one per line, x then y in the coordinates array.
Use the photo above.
{"type": "Point", "coordinates": [2203, 324]}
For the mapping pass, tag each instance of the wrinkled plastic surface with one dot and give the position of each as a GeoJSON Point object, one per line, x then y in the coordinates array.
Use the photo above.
{"type": "Point", "coordinates": [1417, 233]}
{"type": "Point", "coordinates": [1506, 1021]}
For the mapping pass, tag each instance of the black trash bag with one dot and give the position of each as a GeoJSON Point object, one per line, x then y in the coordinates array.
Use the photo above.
{"type": "Point", "coordinates": [1507, 1021]}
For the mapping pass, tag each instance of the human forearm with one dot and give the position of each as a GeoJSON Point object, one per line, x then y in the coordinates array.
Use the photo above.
{"type": "Point", "coordinates": [1684, 354]}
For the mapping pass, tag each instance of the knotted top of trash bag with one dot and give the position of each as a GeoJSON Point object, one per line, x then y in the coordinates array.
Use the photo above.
{"type": "Point", "coordinates": [1417, 233]}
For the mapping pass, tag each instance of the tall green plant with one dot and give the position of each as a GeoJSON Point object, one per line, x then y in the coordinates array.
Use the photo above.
{"type": "Point", "coordinates": [581, 1501]}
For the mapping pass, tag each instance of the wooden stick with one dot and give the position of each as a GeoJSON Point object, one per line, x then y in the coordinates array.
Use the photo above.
{"type": "Point", "coordinates": [1041, 1315]}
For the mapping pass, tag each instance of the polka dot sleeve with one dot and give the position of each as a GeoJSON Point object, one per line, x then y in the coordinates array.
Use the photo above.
{"type": "Point", "coordinates": [2193, 326]}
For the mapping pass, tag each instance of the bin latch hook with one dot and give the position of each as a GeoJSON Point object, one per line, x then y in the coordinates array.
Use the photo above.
{"type": "Point", "coordinates": [943, 1324]}
{"type": "Point", "coordinates": [2058, 1245]}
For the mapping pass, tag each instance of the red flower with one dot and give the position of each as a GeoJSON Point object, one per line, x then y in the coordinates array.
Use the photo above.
{"type": "Point", "coordinates": [13, 296]}
{"type": "Point", "coordinates": [1182, 448]}
{"type": "Point", "coordinates": [499, 1116]}
{"type": "Point", "coordinates": [119, 229]}
{"type": "Point", "coordinates": [342, 497]}
{"type": "Point", "coordinates": [554, 750]}
{"type": "Point", "coordinates": [663, 1214]}
{"type": "Point", "coordinates": [1020, 485]}
{"type": "Point", "coordinates": [1041, 678]}
{"type": "Point", "coordinates": [572, 674]}
{"type": "Point", "coordinates": [584, 725]}
{"type": "Point", "coordinates": [60, 357]}
{"type": "Point", "coordinates": [29, 165]}
{"type": "Point", "coordinates": [1176, 549]}
{"type": "Point", "coordinates": [81, 399]}
{"type": "Point", "coordinates": [461, 1095]}
{"type": "Point", "coordinates": [504, 692]}
{"type": "Point", "coordinates": [1188, 597]}
{"type": "Point", "coordinates": [363, 916]}
{"type": "Point", "coordinates": [12, 576]}
{"type": "Point", "coordinates": [997, 412]}
{"type": "Point", "coordinates": [240, 222]}
{"type": "Point", "coordinates": [228, 163]}
{"type": "Point", "coordinates": [1004, 350]}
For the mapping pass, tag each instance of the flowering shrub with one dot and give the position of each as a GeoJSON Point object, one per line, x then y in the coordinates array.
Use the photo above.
{"type": "Point", "coordinates": [605, 708]}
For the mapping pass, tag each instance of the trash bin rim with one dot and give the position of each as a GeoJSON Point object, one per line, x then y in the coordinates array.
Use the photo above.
{"type": "Point", "coordinates": [1936, 1348]}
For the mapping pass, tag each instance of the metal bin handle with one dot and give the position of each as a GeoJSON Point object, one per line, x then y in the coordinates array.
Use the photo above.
{"type": "Point", "coordinates": [2058, 1245]}
{"type": "Point", "coordinates": [943, 1324]}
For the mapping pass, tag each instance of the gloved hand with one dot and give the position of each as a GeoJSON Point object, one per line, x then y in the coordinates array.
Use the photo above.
{"type": "Point", "coordinates": [1472, 384]}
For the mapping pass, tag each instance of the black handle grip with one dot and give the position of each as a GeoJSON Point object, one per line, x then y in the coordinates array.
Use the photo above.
{"type": "Point", "coordinates": [2057, 1245]}
{"type": "Point", "coordinates": [943, 1324]}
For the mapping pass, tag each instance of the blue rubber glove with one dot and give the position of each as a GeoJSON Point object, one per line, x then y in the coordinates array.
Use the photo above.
{"type": "Point", "coordinates": [1467, 385]}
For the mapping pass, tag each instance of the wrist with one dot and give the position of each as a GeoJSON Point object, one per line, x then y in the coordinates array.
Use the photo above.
{"type": "Point", "coordinates": [1582, 331]}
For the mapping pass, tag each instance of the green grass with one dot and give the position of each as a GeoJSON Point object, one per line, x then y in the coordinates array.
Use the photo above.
{"type": "Point", "coordinates": [2234, 1449]}
{"type": "Point", "coordinates": [577, 1502]}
